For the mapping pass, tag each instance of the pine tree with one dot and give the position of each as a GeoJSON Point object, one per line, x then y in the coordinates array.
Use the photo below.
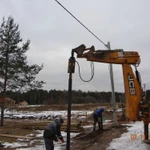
{"type": "Point", "coordinates": [15, 73]}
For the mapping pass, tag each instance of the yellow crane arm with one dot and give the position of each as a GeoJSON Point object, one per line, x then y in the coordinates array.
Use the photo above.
{"type": "Point", "coordinates": [132, 86]}
{"type": "Point", "coordinates": [117, 56]}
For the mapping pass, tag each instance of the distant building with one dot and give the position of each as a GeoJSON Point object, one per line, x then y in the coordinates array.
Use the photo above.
{"type": "Point", "coordinates": [7, 101]}
{"type": "Point", "coordinates": [24, 103]}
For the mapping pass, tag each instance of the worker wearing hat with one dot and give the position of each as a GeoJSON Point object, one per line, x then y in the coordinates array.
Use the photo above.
{"type": "Point", "coordinates": [97, 118]}
{"type": "Point", "coordinates": [53, 133]}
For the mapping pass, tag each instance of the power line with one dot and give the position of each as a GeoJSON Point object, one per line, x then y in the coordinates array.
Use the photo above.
{"type": "Point", "coordinates": [81, 23]}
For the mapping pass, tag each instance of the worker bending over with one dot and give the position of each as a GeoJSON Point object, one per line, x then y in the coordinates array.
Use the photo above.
{"type": "Point", "coordinates": [52, 132]}
{"type": "Point", "coordinates": [97, 118]}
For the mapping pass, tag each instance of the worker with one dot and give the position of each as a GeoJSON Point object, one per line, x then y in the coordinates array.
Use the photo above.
{"type": "Point", "coordinates": [97, 118]}
{"type": "Point", "coordinates": [53, 133]}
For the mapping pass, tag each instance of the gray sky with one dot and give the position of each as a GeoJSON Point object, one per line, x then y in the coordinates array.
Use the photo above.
{"type": "Point", "coordinates": [53, 33]}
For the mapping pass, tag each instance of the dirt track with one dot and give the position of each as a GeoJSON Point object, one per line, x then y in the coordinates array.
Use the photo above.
{"type": "Point", "coordinates": [98, 140]}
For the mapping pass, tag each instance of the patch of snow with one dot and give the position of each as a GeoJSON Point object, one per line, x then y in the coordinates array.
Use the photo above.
{"type": "Point", "coordinates": [43, 114]}
{"type": "Point", "coordinates": [14, 144]}
{"type": "Point", "coordinates": [133, 139]}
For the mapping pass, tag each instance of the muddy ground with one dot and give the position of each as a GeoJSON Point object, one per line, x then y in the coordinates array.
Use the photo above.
{"type": "Point", "coordinates": [86, 140]}
{"type": "Point", "coordinates": [98, 140]}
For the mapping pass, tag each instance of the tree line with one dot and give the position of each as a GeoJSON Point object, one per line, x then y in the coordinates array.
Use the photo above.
{"type": "Point", "coordinates": [35, 97]}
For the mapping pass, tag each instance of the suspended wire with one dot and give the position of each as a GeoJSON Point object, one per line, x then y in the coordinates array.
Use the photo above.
{"type": "Point", "coordinates": [82, 24]}
{"type": "Point", "coordinates": [92, 72]}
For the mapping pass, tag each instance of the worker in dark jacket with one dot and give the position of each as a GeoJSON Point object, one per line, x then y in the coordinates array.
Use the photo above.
{"type": "Point", "coordinates": [97, 118]}
{"type": "Point", "coordinates": [53, 133]}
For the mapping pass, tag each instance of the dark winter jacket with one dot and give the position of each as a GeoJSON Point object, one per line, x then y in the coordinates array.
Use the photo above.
{"type": "Point", "coordinates": [52, 131]}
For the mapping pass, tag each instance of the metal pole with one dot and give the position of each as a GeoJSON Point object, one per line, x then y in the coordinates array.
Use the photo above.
{"type": "Point", "coordinates": [113, 92]}
{"type": "Point", "coordinates": [69, 111]}
{"type": "Point", "coordinates": [2, 115]}
{"type": "Point", "coordinates": [71, 68]}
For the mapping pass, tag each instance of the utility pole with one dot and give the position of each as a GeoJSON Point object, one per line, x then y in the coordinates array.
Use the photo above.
{"type": "Point", "coordinates": [113, 92]}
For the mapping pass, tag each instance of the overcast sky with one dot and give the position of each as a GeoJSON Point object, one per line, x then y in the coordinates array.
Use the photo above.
{"type": "Point", "coordinates": [53, 33]}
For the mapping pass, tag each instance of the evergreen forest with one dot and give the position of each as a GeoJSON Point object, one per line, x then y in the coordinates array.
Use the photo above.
{"type": "Point", "coordinates": [37, 97]}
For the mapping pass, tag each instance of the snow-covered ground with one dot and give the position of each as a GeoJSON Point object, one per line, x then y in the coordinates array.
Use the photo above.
{"type": "Point", "coordinates": [133, 139]}
{"type": "Point", "coordinates": [42, 114]}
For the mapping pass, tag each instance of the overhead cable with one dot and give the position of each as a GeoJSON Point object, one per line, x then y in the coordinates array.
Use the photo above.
{"type": "Point", "coordinates": [81, 23]}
